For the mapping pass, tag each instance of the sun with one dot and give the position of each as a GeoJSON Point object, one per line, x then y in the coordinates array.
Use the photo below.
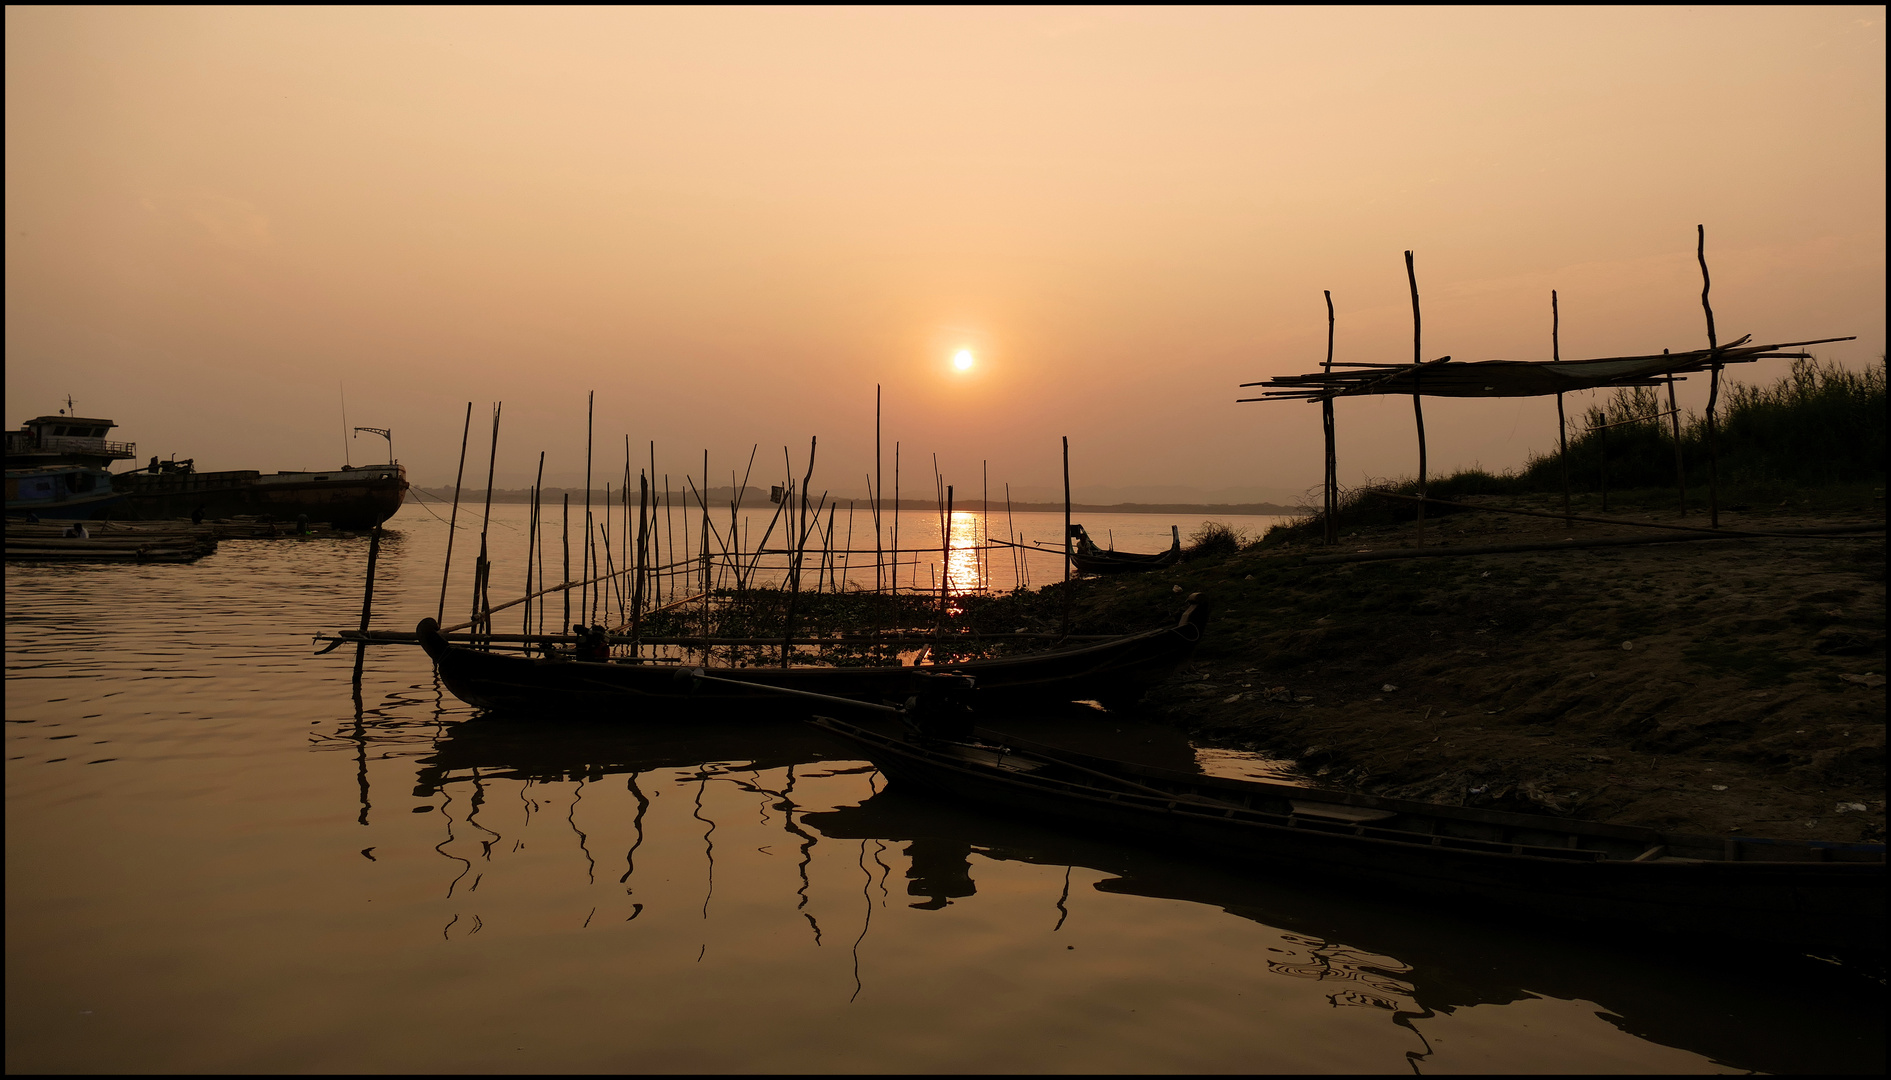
{"type": "Point", "coordinates": [963, 361]}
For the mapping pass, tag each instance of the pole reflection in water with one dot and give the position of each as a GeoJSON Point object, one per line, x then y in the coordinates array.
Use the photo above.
{"type": "Point", "coordinates": [291, 913]}
{"type": "Point", "coordinates": [1426, 974]}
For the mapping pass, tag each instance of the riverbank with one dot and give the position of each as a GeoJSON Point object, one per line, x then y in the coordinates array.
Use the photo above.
{"type": "Point", "coordinates": [1718, 686]}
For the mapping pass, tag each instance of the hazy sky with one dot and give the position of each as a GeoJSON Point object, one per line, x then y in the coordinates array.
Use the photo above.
{"type": "Point", "coordinates": [732, 224]}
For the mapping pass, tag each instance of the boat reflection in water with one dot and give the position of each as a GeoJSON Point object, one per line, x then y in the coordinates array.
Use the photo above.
{"type": "Point", "coordinates": [793, 824]}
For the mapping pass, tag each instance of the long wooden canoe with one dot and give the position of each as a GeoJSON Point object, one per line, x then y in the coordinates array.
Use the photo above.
{"type": "Point", "coordinates": [1117, 669]}
{"type": "Point", "coordinates": [1803, 893]}
{"type": "Point", "coordinates": [1086, 557]}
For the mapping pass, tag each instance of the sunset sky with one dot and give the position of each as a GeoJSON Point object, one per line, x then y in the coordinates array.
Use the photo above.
{"type": "Point", "coordinates": [732, 224]}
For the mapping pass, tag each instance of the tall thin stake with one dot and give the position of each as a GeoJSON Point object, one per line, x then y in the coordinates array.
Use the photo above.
{"type": "Point", "coordinates": [800, 548]}
{"type": "Point", "coordinates": [1418, 408]}
{"type": "Point", "coordinates": [896, 518]}
{"type": "Point", "coordinates": [1017, 552]}
{"type": "Point", "coordinates": [1674, 421]}
{"type": "Point", "coordinates": [453, 522]}
{"type": "Point", "coordinates": [945, 559]}
{"type": "Point", "coordinates": [1562, 425]}
{"type": "Point", "coordinates": [1331, 533]}
{"type": "Point", "coordinates": [484, 565]}
{"type": "Point", "coordinates": [531, 545]}
{"type": "Point", "coordinates": [565, 628]}
{"type": "Point", "coordinates": [878, 582]}
{"type": "Point", "coordinates": [590, 409]}
{"type": "Point", "coordinates": [1067, 542]}
{"type": "Point", "coordinates": [1713, 393]}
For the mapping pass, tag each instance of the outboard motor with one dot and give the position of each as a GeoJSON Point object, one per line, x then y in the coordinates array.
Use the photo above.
{"type": "Point", "coordinates": [942, 708]}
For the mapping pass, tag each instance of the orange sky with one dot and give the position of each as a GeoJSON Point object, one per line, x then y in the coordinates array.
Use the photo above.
{"type": "Point", "coordinates": [733, 223]}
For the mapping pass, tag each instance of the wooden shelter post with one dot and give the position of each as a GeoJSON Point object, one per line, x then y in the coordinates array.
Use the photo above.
{"type": "Point", "coordinates": [1418, 408]}
{"type": "Point", "coordinates": [1331, 534]}
{"type": "Point", "coordinates": [1674, 421]}
{"type": "Point", "coordinates": [1562, 424]}
{"type": "Point", "coordinates": [1713, 392]}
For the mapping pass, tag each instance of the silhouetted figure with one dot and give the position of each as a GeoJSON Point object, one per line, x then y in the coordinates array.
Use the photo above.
{"type": "Point", "coordinates": [592, 644]}
{"type": "Point", "coordinates": [301, 524]}
{"type": "Point", "coordinates": [76, 531]}
{"type": "Point", "coordinates": [197, 516]}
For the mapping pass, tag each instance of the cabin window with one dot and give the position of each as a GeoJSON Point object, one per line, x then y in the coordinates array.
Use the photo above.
{"type": "Point", "coordinates": [59, 429]}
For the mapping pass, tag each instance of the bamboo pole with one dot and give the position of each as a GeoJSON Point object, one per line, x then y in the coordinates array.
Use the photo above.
{"type": "Point", "coordinates": [1713, 392]}
{"type": "Point", "coordinates": [794, 576]}
{"type": "Point", "coordinates": [643, 555]}
{"type": "Point", "coordinates": [1011, 530]}
{"type": "Point", "coordinates": [896, 517]}
{"type": "Point", "coordinates": [624, 589]}
{"type": "Point", "coordinates": [538, 518]}
{"type": "Point", "coordinates": [669, 540]}
{"type": "Point", "coordinates": [584, 559]}
{"type": "Point", "coordinates": [984, 525]}
{"type": "Point", "coordinates": [1418, 408]}
{"type": "Point", "coordinates": [452, 525]}
{"type": "Point", "coordinates": [735, 512]}
{"type": "Point", "coordinates": [1331, 533]}
{"type": "Point", "coordinates": [1602, 453]}
{"type": "Point", "coordinates": [1680, 465]}
{"type": "Point", "coordinates": [1562, 425]}
{"type": "Point", "coordinates": [531, 542]}
{"type": "Point", "coordinates": [1066, 536]}
{"type": "Point", "coordinates": [876, 489]}
{"type": "Point", "coordinates": [945, 560]}
{"type": "Point", "coordinates": [483, 567]}
{"type": "Point", "coordinates": [566, 627]}
{"type": "Point", "coordinates": [655, 543]}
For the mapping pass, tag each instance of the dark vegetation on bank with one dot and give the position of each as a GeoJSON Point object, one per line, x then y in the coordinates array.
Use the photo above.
{"type": "Point", "coordinates": [1817, 426]}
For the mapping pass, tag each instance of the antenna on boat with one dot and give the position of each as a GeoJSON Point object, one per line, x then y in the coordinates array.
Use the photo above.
{"type": "Point", "coordinates": [346, 461]}
{"type": "Point", "coordinates": [68, 409]}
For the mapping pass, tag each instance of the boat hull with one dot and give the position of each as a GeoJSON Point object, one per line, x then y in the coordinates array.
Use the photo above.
{"type": "Point", "coordinates": [1119, 669]}
{"type": "Point", "coordinates": [346, 498]}
{"type": "Point", "coordinates": [62, 492]}
{"type": "Point", "coordinates": [1783, 892]}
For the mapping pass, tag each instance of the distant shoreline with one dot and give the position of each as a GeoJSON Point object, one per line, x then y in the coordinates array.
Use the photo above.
{"type": "Point", "coordinates": [753, 497]}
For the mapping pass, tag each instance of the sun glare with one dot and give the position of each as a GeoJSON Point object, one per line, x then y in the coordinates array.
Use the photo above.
{"type": "Point", "coordinates": [963, 361]}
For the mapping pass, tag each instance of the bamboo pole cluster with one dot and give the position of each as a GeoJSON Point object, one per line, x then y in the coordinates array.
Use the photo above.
{"type": "Point", "coordinates": [631, 565]}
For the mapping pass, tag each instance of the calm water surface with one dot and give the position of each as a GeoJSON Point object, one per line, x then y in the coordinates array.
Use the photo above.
{"type": "Point", "coordinates": [223, 856]}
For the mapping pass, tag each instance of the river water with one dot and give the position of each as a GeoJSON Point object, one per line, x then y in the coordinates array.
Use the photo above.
{"type": "Point", "coordinates": [223, 854]}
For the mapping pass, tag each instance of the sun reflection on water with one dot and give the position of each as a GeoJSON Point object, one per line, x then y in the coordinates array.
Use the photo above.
{"type": "Point", "coordinates": [965, 565]}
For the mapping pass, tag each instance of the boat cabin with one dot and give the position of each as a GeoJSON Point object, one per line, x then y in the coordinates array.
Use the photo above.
{"type": "Point", "coordinates": [75, 437]}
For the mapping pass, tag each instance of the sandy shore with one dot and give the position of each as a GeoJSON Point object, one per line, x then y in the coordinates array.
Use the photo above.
{"type": "Point", "coordinates": [1720, 686]}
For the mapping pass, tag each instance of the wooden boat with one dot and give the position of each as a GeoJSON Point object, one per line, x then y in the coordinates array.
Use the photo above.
{"type": "Point", "coordinates": [1117, 669]}
{"type": "Point", "coordinates": [1802, 893]}
{"type": "Point", "coordinates": [1087, 558]}
{"type": "Point", "coordinates": [351, 497]}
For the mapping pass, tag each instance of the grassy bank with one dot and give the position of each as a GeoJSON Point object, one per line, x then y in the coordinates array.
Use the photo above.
{"type": "Point", "coordinates": [1819, 426]}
